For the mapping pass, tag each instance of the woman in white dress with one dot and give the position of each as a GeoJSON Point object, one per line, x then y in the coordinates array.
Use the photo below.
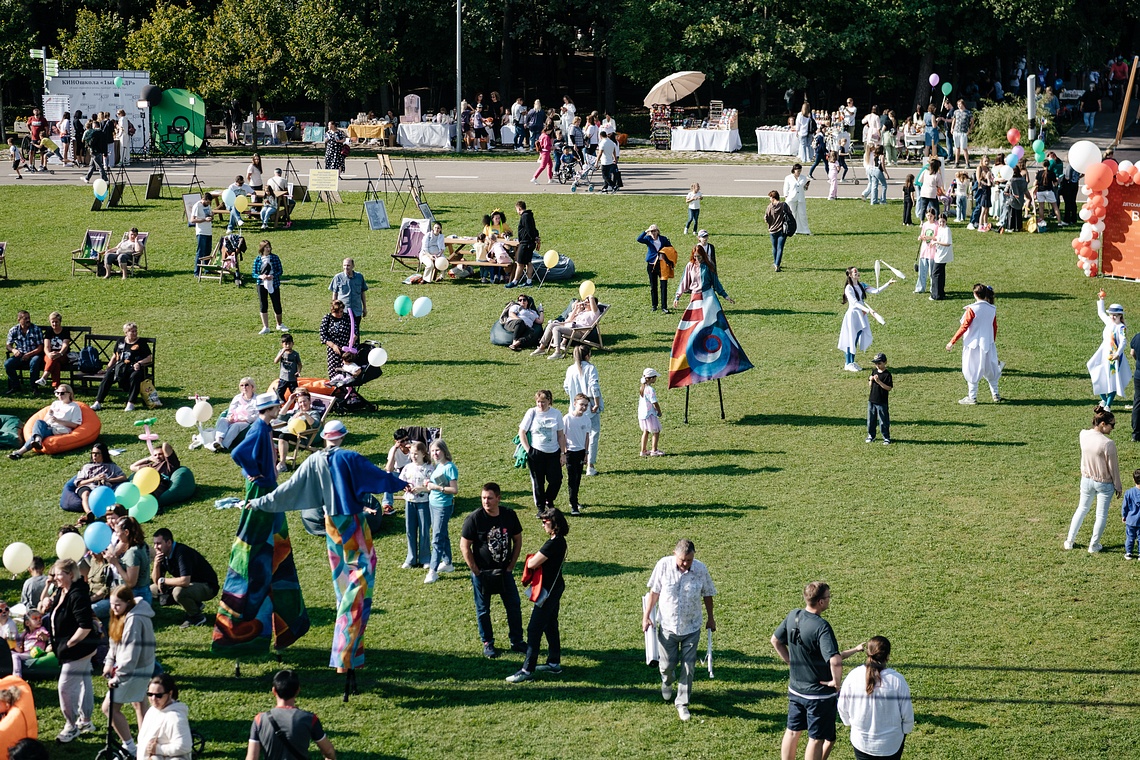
{"type": "Point", "coordinates": [855, 335]}
{"type": "Point", "coordinates": [979, 353]}
{"type": "Point", "coordinates": [795, 195]}
{"type": "Point", "coordinates": [1108, 367]}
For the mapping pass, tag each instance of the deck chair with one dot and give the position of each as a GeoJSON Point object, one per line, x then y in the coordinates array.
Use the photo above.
{"type": "Point", "coordinates": [409, 243]}
{"type": "Point", "coordinates": [306, 441]}
{"type": "Point", "coordinates": [88, 257]}
{"type": "Point", "coordinates": [4, 260]}
{"type": "Point", "coordinates": [212, 269]}
{"type": "Point", "coordinates": [590, 336]}
{"type": "Point", "coordinates": [140, 259]}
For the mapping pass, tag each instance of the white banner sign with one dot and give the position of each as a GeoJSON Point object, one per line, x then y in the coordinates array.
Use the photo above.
{"type": "Point", "coordinates": [94, 91]}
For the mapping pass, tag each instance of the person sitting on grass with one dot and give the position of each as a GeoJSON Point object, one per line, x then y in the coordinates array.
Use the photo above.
{"type": "Point", "coordinates": [165, 461]}
{"type": "Point", "coordinates": [63, 416]}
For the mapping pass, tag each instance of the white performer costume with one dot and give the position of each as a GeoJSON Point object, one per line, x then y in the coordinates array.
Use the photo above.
{"type": "Point", "coordinates": [795, 196]}
{"type": "Point", "coordinates": [979, 353]}
{"type": "Point", "coordinates": [1108, 375]}
{"type": "Point", "coordinates": [855, 335]}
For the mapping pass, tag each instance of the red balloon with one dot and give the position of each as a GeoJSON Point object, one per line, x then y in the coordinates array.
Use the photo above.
{"type": "Point", "coordinates": [1111, 164]}
{"type": "Point", "coordinates": [1093, 270]}
{"type": "Point", "coordinates": [1100, 212]}
{"type": "Point", "coordinates": [1013, 135]}
{"type": "Point", "coordinates": [1098, 177]}
{"type": "Point", "coordinates": [1088, 253]}
{"type": "Point", "coordinates": [1095, 234]}
{"type": "Point", "coordinates": [1123, 178]}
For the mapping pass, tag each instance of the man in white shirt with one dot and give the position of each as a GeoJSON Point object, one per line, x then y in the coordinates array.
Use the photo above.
{"type": "Point", "coordinates": [518, 110]}
{"type": "Point", "coordinates": [849, 112]}
{"type": "Point", "coordinates": [202, 219]}
{"type": "Point", "coordinates": [607, 157]}
{"type": "Point", "coordinates": [677, 587]}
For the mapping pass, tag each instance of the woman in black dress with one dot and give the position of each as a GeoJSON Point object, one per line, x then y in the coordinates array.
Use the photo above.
{"type": "Point", "coordinates": [335, 333]}
{"type": "Point", "coordinates": [544, 616]}
{"type": "Point", "coordinates": [334, 147]}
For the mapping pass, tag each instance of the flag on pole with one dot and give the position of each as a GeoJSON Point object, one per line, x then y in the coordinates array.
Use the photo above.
{"type": "Point", "coordinates": [705, 347]}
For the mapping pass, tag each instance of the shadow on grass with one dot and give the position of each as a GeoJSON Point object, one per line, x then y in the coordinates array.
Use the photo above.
{"type": "Point", "coordinates": [463, 407]}
{"type": "Point", "coordinates": [1035, 296]}
{"type": "Point", "coordinates": [943, 721]}
{"type": "Point", "coordinates": [1050, 402]}
{"type": "Point", "coordinates": [896, 439]}
{"type": "Point", "coordinates": [806, 420]}
{"type": "Point", "coordinates": [722, 469]}
{"type": "Point", "coordinates": [454, 362]}
{"type": "Point", "coordinates": [781, 312]}
{"type": "Point", "coordinates": [626, 511]}
{"type": "Point", "coordinates": [600, 569]}
{"type": "Point", "coordinates": [912, 370]}
{"type": "Point", "coordinates": [1045, 375]}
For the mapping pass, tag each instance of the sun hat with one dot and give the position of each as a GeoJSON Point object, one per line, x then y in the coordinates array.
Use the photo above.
{"type": "Point", "coordinates": [1115, 309]}
{"type": "Point", "coordinates": [334, 429]}
{"type": "Point", "coordinates": [265, 401]}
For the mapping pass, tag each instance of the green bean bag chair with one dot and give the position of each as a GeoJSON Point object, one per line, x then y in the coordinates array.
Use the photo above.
{"type": "Point", "coordinates": [182, 487]}
{"type": "Point", "coordinates": [9, 432]}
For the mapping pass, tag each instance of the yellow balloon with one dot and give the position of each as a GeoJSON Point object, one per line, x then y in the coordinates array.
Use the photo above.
{"type": "Point", "coordinates": [146, 480]}
{"type": "Point", "coordinates": [297, 425]}
{"type": "Point", "coordinates": [550, 259]}
{"type": "Point", "coordinates": [586, 289]}
{"type": "Point", "coordinates": [241, 203]}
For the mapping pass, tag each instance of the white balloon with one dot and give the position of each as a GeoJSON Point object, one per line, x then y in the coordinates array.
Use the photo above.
{"type": "Point", "coordinates": [1096, 244]}
{"type": "Point", "coordinates": [441, 263]}
{"type": "Point", "coordinates": [1084, 214]}
{"type": "Point", "coordinates": [422, 307]}
{"type": "Point", "coordinates": [1083, 155]}
{"type": "Point", "coordinates": [1085, 190]}
{"type": "Point", "coordinates": [70, 546]}
{"type": "Point", "coordinates": [378, 357]}
{"type": "Point", "coordinates": [17, 557]}
{"type": "Point", "coordinates": [1124, 166]}
{"type": "Point", "coordinates": [203, 411]}
{"type": "Point", "coordinates": [1099, 226]}
{"type": "Point", "coordinates": [1085, 236]}
{"type": "Point", "coordinates": [185, 417]}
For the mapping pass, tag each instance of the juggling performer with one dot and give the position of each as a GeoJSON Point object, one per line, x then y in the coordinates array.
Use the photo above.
{"type": "Point", "coordinates": [704, 347]}
{"type": "Point", "coordinates": [261, 596]}
{"type": "Point", "coordinates": [978, 332]}
{"type": "Point", "coordinates": [1108, 367]}
{"type": "Point", "coordinates": [855, 334]}
{"type": "Point", "coordinates": [340, 482]}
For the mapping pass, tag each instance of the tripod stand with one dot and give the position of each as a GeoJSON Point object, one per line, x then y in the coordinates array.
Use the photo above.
{"type": "Point", "coordinates": [119, 180]}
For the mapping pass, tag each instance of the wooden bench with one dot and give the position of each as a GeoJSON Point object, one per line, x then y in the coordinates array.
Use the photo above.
{"type": "Point", "coordinates": [67, 373]}
{"type": "Point", "coordinates": [105, 346]}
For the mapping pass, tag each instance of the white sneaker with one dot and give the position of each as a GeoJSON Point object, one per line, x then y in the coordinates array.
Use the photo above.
{"type": "Point", "coordinates": [446, 567]}
{"type": "Point", "coordinates": [591, 472]}
{"type": "Point", "coordinates": [534, 181]}
{"type": "Point", "coordinates": [96, 406]}
{"type": "Point", "coordinates": [68, 734]}
{"type": "Point", "coordinates": [407, 565]}
{"type": "Point", "coordinates": [431, 577]}
{"type": "Point", "coordinates": [1067, 545]}
{"type": "Point", "coordinates": [282, 328]}
{"type": "Point", "coordinates": [130, 407]}
{"type": "Point", "coordinates": [971, 226]}
{"type": "Point", "coordinates": [849, 367]}
{"type": "Point", "coordinates": [683, 712]}
{"type": "Point", "coordinates": [855, 367]}
{"type": "Point", "coordinates": [1095, 548]}
{"type": "Point", "coordinates": [968, 401]}
{"type": "Point", "coordinates": [195, 442]}
{"type": "Point", "coordinates": [264, 331]}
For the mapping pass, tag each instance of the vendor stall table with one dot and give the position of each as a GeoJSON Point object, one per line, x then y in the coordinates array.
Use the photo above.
{"type": "Point", "coordinates": [776, 142]}
{"type": "Point", "coordinates": [274, 130]}
{"type": "Point", "coordinates": [426, 135]}
{"type": "Point", "coordinates": [368, 131]}
{"type": "Point", "coordinates": [721, 140]}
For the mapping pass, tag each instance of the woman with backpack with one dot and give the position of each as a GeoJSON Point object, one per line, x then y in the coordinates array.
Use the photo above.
{"type": "Point", "coordinates": [777, 215]}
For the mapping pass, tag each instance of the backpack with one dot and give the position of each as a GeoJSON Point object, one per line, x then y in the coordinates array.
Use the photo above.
{"type": "Point", "coordinates": [89, 362]}
{"type": "Point", "coordinates": [789, 221]}
{"type": "Point", "coordinates": [130, 129]}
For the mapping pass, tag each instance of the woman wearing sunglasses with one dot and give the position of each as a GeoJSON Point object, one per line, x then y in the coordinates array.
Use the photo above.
{"type": "Point", "coordinates": [165, 730]}
{"type": "Point", "coordinates": [63, 416]}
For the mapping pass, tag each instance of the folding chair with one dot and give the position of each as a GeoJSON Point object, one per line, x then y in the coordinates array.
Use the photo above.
{"type": "Point", "coordinates": [591, 336]}
{"type": "Point", "coordinates": [139, 261]}
{"type": "Point", "coordinates": [88, 257]}
{"type": "Point", "coordinates": [306, 441]}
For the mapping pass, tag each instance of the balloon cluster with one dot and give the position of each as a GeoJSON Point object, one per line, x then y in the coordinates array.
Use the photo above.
{"type": "Point", "coordinates": [404, 305]}
{"type": "Point", "coordinates": [1085, 158]}
{"type": "Point", "coordinates": [1018, 152]}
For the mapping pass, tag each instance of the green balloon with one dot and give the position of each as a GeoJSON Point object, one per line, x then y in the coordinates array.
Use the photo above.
{"type": "Point", "coordinates": [118, 81]}
{"type": "Point", "coordinates": [145, 508]}
{"type": "Point", "coordinates": [1038, 146]}
{"type": "Point", "coordinates": [947, 88]}
{"type": "Point", "coordinates": [403, 306]}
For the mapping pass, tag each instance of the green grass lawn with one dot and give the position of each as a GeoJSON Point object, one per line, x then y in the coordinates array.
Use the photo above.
{"type": "Point", "coordinates": [948, 542]}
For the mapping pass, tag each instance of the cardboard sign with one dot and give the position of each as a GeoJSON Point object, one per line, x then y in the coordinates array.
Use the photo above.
{"type": "Point", "coordinates": [1120, 256]}
{"type": "Point", "coordinates": [321, 180]}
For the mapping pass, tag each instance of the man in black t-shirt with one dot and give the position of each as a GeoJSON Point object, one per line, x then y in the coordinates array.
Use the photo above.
{"type": "Point", "coordinates": [491, 541]}
{"type": "Point", "coordinates": [192, 580]}
{"type": "Point", "coordinates": [878, 410]}
{"type": "Point", "coordinates": [284, 733]}
{"type": "Point", "coordinates": [807, 644]}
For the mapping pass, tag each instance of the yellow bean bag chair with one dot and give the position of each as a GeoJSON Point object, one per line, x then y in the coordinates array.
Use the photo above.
{"type": "Point", "coordinates": [84, 435]}
{"type": "Point", "coordinates": [19, 722]}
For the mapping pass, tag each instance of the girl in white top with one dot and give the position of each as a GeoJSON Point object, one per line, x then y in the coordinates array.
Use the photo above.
{"type": "Point", "coordinates": [875, 702]}
{"type": "Point", "coordinates": [253, 173]}
{"type": "Point", "coordinates": [1108, 367]}
{"type": "Point", "coordinates": [855, 335]}
{"type": "Point", "coordinates": [63, 416]}
{"type": "Point", "coordinates": [417, 515]}
{"type": "Point", "coordinates": [693, 199]}
{"type": "Point", "coordinates": [582, 377]}
{"type": "Point", "coordinates": [979, 353]}
{"type": "Point", "coordinates": [795, 195]}
{"type": "Point", "coordinates": [649, 414]}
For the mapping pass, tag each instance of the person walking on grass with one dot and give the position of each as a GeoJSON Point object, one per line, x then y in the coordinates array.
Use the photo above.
{"type": "Point", "coordinates": [285, 731]}
{"type": "Point", "coordinates": [1100, 477]}
{"type": "Point", "coordinates": [693, 200]}
{"type": "Point", "coordinates": [546, 563]}
{"type": "Point", "coordinates": [649, 414]}
{"type": "Point", "coordinates": [805, 641]}
{"type": "Point", "coordinates": [678, 586]}
{"type": "Point", "coordinates": [978, 332]}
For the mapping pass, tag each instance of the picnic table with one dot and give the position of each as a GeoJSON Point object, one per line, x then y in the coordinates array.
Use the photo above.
{"type": "Point", "coordinates": [458, 251]}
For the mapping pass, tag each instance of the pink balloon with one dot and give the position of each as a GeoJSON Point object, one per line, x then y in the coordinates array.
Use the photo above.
{"type": "Point", "coordinates": [934, 80]}
{"type": "Point", "coordinates": [1099, 178]}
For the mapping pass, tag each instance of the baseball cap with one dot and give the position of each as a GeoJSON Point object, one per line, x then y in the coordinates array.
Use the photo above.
{"type": "Point", "coordinates": [879, 357]}
{"type": "Point", "coordinates": [703, 233]}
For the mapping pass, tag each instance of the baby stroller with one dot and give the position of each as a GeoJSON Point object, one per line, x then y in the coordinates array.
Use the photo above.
{"type": "Point", "coordinates": [346, 397]}
{"type": "Point", "coordinates": [585, 175]}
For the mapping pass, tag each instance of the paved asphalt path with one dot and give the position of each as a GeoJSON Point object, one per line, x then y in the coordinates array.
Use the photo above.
{"type": "Point", "coordinates": [492, 176]}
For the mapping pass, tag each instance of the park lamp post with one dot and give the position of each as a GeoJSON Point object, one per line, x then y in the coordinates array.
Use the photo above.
{"type": "Point", "coordinates": [458, 73]}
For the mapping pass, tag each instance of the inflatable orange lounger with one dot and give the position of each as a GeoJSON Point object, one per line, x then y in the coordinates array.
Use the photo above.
{"type": "Point", "coordinates": [84, 435]}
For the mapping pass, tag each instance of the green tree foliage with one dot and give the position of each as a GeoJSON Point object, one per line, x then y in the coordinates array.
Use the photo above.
{"type": "Point", "coordinates": [15, 41]}
{"type": "Point", "coordinates": [242, 56]}
{"type": "Point", "coordinates": [168, 46]}
{"type": "Point", "coordinates": [95, 43]}
{"type": "Point", "coordinates": [340, 55]}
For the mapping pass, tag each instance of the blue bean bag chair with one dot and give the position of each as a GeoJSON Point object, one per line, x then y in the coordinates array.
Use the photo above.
{"type": "Point", "coordinates": [9, 432]}
{"type": "Point", "coordinates": [563, 270]}
{"type": "Point", "coordinates": [501, 336]}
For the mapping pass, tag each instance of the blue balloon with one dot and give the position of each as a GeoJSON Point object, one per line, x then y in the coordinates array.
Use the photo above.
{"type": "Point", "coordinates": [1012, 160]}
{"type": "Point", "coordinates": [1057, 84]}
{"type": "Point", "coordinates": [100, 500]}
{"type": "Point", "coordinates": [97, 537]}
